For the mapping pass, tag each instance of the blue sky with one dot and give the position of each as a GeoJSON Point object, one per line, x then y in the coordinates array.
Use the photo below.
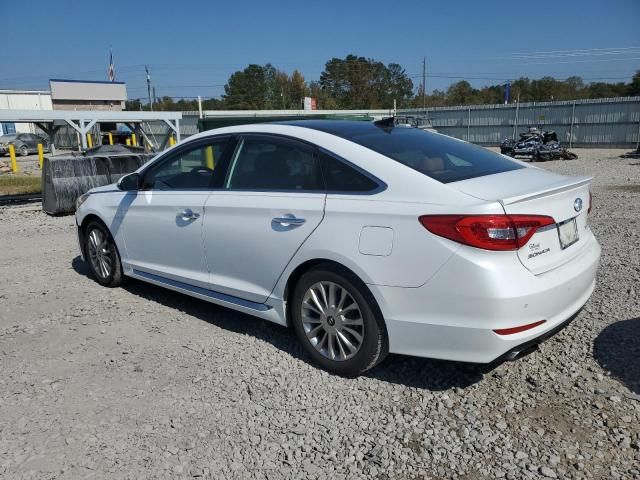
{"type": "Point", "coordinates": [193, 47]}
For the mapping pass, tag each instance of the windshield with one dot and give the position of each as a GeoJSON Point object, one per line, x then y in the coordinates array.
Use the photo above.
{"type": "Point", "coordinates": [437, 156]}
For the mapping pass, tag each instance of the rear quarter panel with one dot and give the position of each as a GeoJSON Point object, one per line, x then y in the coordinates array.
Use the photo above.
{"type": "Point", "coordinates": [415, 256]}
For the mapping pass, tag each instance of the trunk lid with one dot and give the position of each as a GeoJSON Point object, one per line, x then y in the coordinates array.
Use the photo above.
{"type": "Point", "coordinates": [535, 191]}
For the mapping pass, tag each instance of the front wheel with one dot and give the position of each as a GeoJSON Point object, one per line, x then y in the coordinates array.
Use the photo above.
{"type": "Point", "coordinates": [337, 320]}
{"type": "Point", "coordinates": [102, 254]}
{"type": "Point", "coordinates": [24, 151]}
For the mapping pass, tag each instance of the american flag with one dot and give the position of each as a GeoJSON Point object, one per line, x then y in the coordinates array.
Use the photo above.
{"type": "Point", "coordinates": [112, 70]}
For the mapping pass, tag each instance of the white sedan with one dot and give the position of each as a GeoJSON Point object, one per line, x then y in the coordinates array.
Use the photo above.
{"type": "Point", "coordinates": [366, 238]}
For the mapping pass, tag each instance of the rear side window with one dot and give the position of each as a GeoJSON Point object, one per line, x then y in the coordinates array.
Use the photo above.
{"type": "Point", "coordinates": [266, 163]}
{"type": "Point", "coordinates": [340, 177]}
{"type": "Point", "coordinates": [437, 156]}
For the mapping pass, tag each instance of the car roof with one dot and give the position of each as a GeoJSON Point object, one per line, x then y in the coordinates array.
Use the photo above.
{"type": "Point", "coordinates": [347, 129]}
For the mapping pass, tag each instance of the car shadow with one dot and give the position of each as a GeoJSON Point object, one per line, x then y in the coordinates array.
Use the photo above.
{"type": "Point", "coordinates": [423, 373]}
{"type": "Point", "coordinates": [617, 350]}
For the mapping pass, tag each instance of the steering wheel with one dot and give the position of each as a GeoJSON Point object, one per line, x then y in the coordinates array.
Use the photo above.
{"type": "Point", "coordinates": [201, 170]}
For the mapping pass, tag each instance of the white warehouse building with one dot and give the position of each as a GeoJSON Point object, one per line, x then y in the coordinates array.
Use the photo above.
{"type": "Point", "coordinates": [23, 100]}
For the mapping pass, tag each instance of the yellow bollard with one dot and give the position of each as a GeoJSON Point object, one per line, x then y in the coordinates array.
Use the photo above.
{"type": "Point", "coordinates": [110, 139]}
{"type": "Point", "coordinates": [128, 142]}
{"type": "Point", "coordinates": [89, 140]}
{"type": "Point", "coordinates": [40, 155]}
{"type": "Point", "coordinates": [12, 154]}
{"type": "Point", "coordinates": [208, 153]}
{"type": "Point", "coordinates": [134, 141]}
{"type": "Point", "coordinates": [172, 141]}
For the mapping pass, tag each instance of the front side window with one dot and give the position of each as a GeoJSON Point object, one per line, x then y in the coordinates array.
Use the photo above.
{"type": "Point", "coordinates": [191, 168]}
{"type": "Point", "coordinates": [263, 163]}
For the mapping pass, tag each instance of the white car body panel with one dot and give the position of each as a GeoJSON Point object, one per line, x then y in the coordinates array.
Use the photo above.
{"type": "Point", "coordinates": [246, 250]}
{"type": "Point", "coordinates": [157, 238]}
{"type": "Point", "coordinates": [439, 298]}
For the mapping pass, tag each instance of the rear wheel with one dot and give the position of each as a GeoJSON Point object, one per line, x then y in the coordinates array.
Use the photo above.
{"type": "Point", "coordinates": [103, 256]}
{"type": "Point", "coordinates": [337, 320]}
{"type": "Point", "coordinates": [24, 151]}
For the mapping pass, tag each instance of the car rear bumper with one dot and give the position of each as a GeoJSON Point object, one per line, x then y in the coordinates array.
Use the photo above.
{"type": "Point", "coordinates": [454, 315]}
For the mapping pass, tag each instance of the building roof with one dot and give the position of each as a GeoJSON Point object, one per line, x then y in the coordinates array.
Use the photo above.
{"type": "Point", "coordinates": [25, 92]}
{"type": "Point", "coordinates": [84, 81]}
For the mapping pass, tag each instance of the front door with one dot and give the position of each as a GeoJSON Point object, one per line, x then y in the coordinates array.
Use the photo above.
{"type": "Point", "coordinates": [272, 201]}
{"type": "Point", "coordinates": [162, 222]}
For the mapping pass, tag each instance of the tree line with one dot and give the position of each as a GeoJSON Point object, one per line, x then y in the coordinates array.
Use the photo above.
{"type": "Point", "coordinates": [361, 83]}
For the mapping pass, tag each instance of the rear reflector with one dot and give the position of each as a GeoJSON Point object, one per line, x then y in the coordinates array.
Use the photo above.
{"type": "Point", "coordinates": [490, 232]}
{"type": "Point", "coordinates": [521, 328]}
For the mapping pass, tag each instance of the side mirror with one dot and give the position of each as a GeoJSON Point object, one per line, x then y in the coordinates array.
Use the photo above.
{"type": "Point", "coordinates": [129, 182]}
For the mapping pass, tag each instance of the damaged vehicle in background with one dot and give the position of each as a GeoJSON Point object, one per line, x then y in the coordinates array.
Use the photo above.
{"type": "Point", "coordinates": [24, 143]}
{"type": "Point", "coordinates": [540, 146]}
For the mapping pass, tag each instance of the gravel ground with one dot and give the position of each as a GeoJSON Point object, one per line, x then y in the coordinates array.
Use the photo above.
{"type": "Point", "coordinates": [139, 382]}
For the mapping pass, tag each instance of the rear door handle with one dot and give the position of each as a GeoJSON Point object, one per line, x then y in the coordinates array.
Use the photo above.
{"type": "Point", "coordinates": [288, 220]}
{"type": "Point", "coordinates": [188, 214]}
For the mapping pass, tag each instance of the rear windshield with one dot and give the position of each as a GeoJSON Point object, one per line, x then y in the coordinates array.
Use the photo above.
{"type": "Point", "coordinates": [437, 156]}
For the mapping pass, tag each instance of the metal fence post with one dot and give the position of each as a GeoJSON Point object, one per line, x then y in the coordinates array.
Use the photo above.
{"type": "Point", "coordinates": [573, 113]}
{"type": "Point", "coordinates": [469, 125]}
{"type": "Point", "coordinates": [515, 123]}
{"type": "Point", "coordinates": [638, 142]}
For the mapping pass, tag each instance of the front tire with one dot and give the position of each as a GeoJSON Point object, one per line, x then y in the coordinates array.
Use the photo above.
{"type": "Point", "coordinates": [102, 255]}
{"type": "Point", "coordinates": [338, 322]}
{"type": "Point", "coordinates": [24, 151]}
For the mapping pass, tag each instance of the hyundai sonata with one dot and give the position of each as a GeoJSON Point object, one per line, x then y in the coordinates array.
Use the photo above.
{"type": "Point", "coordinates": [365, 238]}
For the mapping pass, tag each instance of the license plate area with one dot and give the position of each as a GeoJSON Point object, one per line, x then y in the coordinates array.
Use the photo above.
{"type": "Point", "coordinates": [568, 233]}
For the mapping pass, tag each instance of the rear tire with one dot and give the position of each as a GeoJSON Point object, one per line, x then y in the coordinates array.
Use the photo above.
{"type": "Point", "coordinates": [338, 321]}
{"type": "Point", "coordinates": [24, 151]}
{"type": "Point", "coordinates": [102, 255]}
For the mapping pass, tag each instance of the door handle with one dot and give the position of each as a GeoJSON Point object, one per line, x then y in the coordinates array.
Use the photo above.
{"type": "Point", "coordinates": [188, 214]}
{"type": "Point", "coordinates": [288, 220]}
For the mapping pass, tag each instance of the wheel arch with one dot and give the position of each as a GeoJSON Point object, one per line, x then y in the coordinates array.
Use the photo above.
{"type": "Point", "coordinates": [311, 264]}
{"type": "Point", "coordinates": [87, 219]}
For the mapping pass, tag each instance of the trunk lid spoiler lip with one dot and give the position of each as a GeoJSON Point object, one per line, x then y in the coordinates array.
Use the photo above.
{"type": "Point", "coordinates": [552, 188]}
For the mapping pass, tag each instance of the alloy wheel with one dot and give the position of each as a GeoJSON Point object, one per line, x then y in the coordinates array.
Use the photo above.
{"type": "Point", "coordinates": [332, 321]}
{"type": "Point", "coordinates": [100, 253]}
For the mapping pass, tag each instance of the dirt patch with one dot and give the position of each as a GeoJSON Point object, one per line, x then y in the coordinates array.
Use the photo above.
{"type": "Point", "coordinates": [633, 188]}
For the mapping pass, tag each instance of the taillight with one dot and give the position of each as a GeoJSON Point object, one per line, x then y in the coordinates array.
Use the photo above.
{"type": "Point", "coordinates": [490, 232]}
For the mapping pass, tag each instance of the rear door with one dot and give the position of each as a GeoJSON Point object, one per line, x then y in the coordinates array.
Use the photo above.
{"type": "Point", "coordinates": [272, 201]}
{"type": "Point", "coordinates": [162, 223]}
{"type": "Point", "coordinates": [533, 191]}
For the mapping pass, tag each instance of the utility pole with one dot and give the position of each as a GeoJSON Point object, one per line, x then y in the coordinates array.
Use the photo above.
{"type": "Point", "coordinates": [146, 68]}
{"type": "Point", "coordinates": [424, 83]}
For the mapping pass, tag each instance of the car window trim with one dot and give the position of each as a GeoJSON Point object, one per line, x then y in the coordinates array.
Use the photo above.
{"type": "Point", "coordinates": [381, 185]}
{"type": "Point", "coordinates": [189, 146]}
